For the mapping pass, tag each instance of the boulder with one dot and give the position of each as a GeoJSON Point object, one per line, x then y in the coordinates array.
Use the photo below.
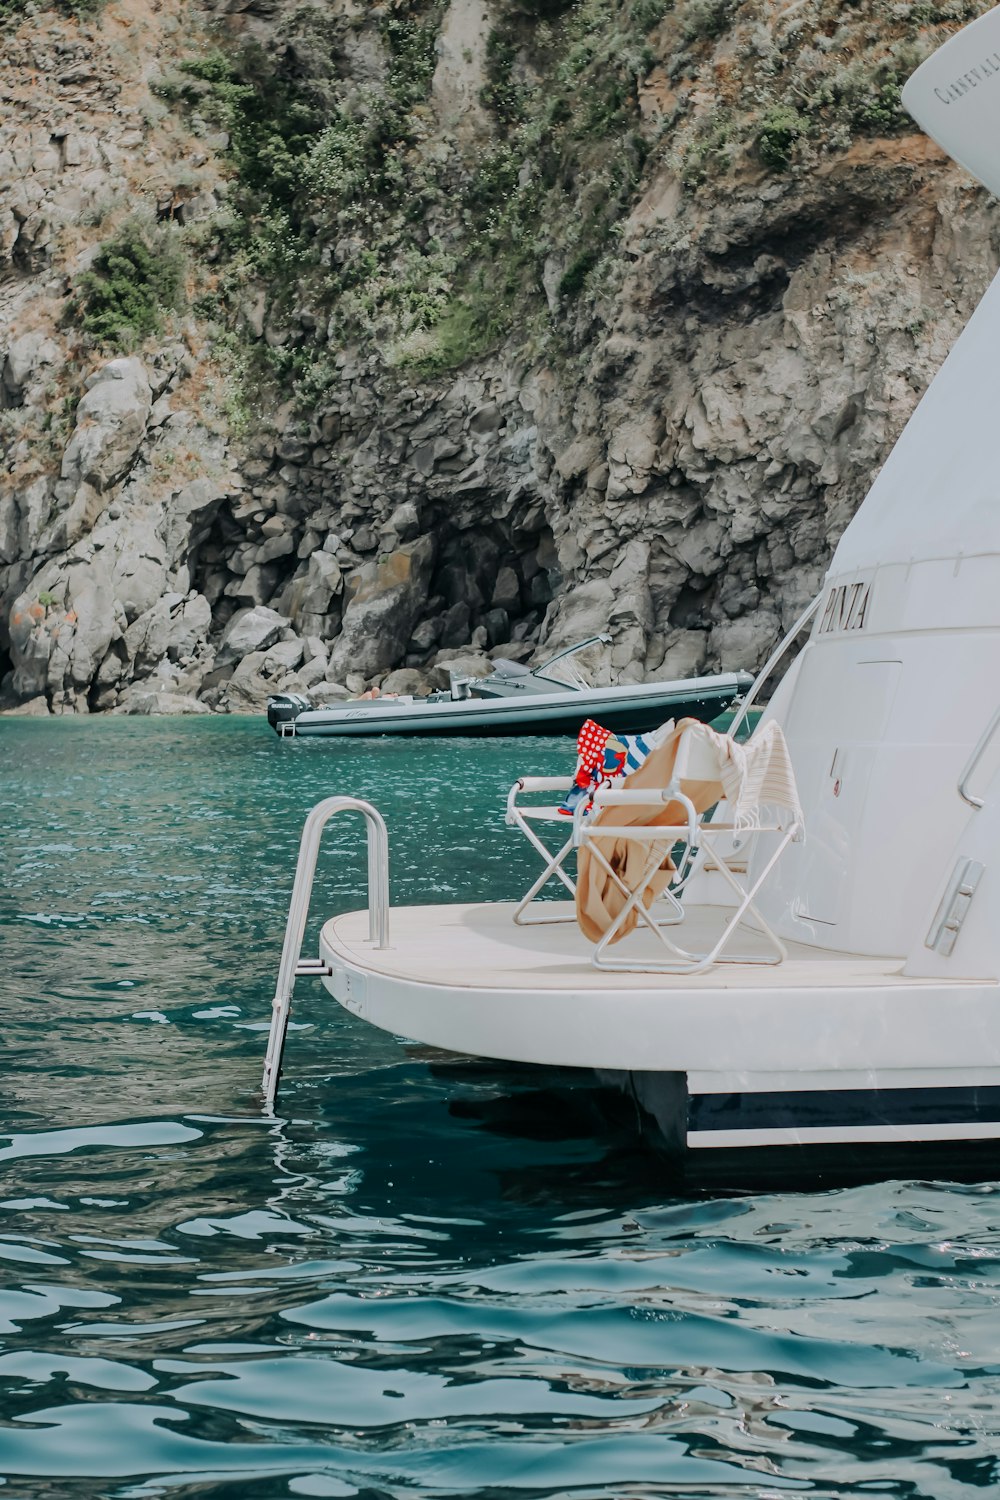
{"type": "Point", "coordinates": [250, 632]}
{"type": "Point", "coordinates": [468, 664]}
{"type": "Point", "coordinates": [256, 677]}
{"type": "Point", "coordinates": [511, 651]}
{"type": "Point", "coordinates": [110, 424]}
{"type": "Point", "coordinates": [455, 625]}
{"type": "Point", "coordinates": [497, 625]}
{"type": "Point", "coordinates": [684, 656]}
{"type": "Point", "coordinates": [506, 590]}
{"type": "Point", "coordinates": [247, 691]}
{"type": "Point", "coordinates": [172, 629]}
{"type": "Point", "coordinates": [704, 547]}
{"type": "Point", "coordinates": [256, 586]}
{"type": "Point", "coordinates": [386, 599]}
{"type": "Point", "coordinates": [405, 680]}
{"type": "Point", "coordinates": [26, 357]}
{"type": "Point", "coordinates": [425, 636]}
{"type": "Point", "coordinates": [141, 701]}
{"type": "Point", "coordinates": [585, 610]}
{"type": "Point", "coordinates": [34, 708]}
{"type": "Point", "coordinates": [404, 521]}
{"type": "Point", "coordinates": [323, 693]}
{"type": "Point", "coordinates": [744, 645]}
{"type": "Point", "coordinates": [282, 657]}
{"type": "Point", "coordinates": [308, 598]}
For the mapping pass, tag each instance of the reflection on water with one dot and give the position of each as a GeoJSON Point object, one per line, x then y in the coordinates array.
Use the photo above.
{"type": "Point", "coordinates": [431, 1277]}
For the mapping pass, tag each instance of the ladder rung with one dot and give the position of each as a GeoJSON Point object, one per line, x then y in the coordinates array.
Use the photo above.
{"type": "Point", "coordinates": [314, 966]}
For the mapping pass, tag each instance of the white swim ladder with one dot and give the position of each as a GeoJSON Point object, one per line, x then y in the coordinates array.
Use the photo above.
{"type": "Point", "coordinates": [292, 963]}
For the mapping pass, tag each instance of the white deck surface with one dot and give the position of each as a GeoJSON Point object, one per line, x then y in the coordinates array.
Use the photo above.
{"type": "Point", "coordinates": [479, 947]}
{"type": "Point", "coordinates": [466, 979]}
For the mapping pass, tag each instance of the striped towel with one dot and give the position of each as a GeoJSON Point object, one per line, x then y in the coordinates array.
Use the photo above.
{"type": "Point", "coordinates": [602, 757]}
{"type": "Point", "coordinates": [757, 774]}
{"type": "Point", "coordinates": [637, 747]}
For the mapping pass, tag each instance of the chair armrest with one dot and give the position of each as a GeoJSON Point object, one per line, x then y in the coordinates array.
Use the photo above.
{"type": "Point", "coordinates": [534, 784]}
{"type": "Point", "coordinates": [541, 784]}
{"type": "Point", "coordinates": [606, 797]}
{"type": "Point", "coordinates": [643, 833]}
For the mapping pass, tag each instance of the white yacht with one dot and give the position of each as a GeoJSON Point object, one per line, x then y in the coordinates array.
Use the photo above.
{"type": "Point", "coordinates": [877, 1018]}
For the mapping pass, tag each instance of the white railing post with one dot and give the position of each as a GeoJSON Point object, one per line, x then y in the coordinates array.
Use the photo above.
{"type": "Point", "coordinates": [973, 761]}
{"type": "Point", "coordinates": [770, 664]}
{"type": "Point", "coordinates": [298, 911]}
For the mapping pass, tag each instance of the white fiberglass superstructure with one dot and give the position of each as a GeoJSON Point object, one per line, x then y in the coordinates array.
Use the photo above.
{"type": "Point", "coordinates": [891, 711]}
{"type": "Point", "coordinates": [882, 1024]}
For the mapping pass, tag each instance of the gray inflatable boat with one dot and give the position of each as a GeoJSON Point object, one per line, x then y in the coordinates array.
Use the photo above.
{"type": "Point", "coordinates": [553, 698]}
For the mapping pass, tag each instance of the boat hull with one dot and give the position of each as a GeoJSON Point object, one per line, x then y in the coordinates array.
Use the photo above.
{"type": "Point", "coordinates": [626, 710]}
{"type": "Point", "coordinates": [826, 1050]}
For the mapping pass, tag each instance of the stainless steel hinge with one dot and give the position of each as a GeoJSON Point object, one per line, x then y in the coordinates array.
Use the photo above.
{"type": "Point", "coordinates": [954, 907]}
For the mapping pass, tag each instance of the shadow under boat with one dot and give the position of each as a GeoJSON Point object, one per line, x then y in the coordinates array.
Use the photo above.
{"type": "Point", "coordinates": [534, 1103]}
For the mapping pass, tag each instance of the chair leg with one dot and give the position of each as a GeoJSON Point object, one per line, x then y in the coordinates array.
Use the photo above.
{"type": "Point", "coordinates": [553, 868]}
{"type": "Point", "coordinates": [634, 902]}
{"type": "Point", "coordinates": [747, 904]}
{"type": "Point", "coordinates": [693, 963]}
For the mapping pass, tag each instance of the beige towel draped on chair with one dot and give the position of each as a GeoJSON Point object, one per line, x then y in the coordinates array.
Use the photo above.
{"type": "Point", "coordinates": [622, 875]}
{"type": "Point", "coordinates": [599, 898]}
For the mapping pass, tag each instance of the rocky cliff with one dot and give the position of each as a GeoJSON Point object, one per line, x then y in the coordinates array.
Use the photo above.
{"type": "Point", "coordinates": [338, 343]}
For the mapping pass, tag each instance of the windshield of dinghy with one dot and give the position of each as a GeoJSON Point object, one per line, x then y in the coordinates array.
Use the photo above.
{"type": "Point", "coordinates": [565, 669]}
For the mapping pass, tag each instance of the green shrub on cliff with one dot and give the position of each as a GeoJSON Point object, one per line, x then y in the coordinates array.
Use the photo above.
{"type": "Point", "coordinates": [133, 280]}
{"type": "Point", "coordinates": [780, 129]}
{"type": "Point", "coordinates": [411, 41]}
{"type": "Point", "coordinates": [704, 19]}
{"type": "Point", "coordinates": [881, 111]}
{"type": "Point", "coordinates": [373, 218]}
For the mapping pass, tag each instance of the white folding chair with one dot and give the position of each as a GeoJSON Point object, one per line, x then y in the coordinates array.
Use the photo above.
{"type": "Point", "coordinates": [523, 815]}
{"type": "Point", "coordinates": [708, 840]}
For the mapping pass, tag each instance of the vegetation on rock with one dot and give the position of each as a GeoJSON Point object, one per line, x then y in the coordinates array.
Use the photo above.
{"type": "Point", "coordinates": [432, 249]}
{"type": "Point", "coordinates": [651, 232]}
{"type": "Point", "coordinates": [133, 280]}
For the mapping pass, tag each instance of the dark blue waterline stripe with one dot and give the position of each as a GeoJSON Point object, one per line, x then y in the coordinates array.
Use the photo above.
{"type": "Point", "coordinates": [808, 1108]}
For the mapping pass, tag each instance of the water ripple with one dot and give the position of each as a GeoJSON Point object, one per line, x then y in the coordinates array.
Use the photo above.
{"type": "Point", "coordinates": [432, 1278]}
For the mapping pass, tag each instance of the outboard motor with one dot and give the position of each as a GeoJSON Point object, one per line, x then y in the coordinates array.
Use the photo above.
{"type": "Point", "coordinates": [284, 707]}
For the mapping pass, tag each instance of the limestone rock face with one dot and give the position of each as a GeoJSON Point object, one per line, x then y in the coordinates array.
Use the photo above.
{"type": "Point", "coordinates": [250, 631]}
{"type": "Point", "coordinates": [141, 701]}
{"type": "Point", "coordinates": [385, 599]}
{"type": "Point", "coordinates": [32, 708]}
{"type": "Point", "coordinates": [110, 423]}
{"type": "Point", "coordinates": [663, 449]}
{"type": "Point", "coordinates": [258, 676]}
{"type": "Point", "coordinates": [29, 358]}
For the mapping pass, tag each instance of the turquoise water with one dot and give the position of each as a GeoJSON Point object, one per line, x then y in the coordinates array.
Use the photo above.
{"type": "Point", "coordinates": [429, 1278]}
